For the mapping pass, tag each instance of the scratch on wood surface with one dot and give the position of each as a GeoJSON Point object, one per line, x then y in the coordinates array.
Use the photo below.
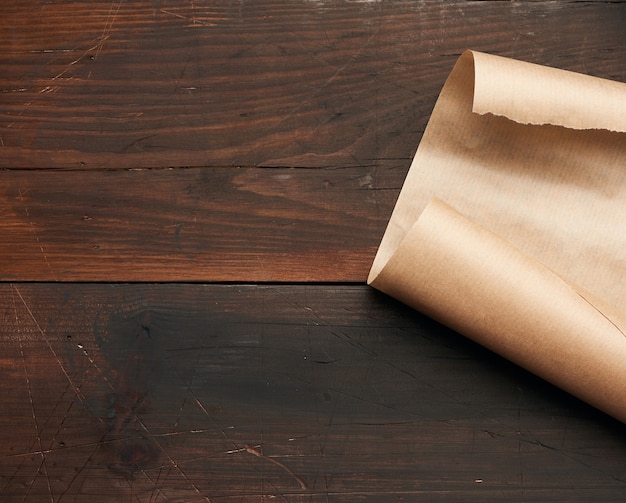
{"type": "Point", "coordinates": [36, 235]}
{"type": "Point", "coordinates": [193, 19]}
{"type": "Point", "coordinates": [258, 452]}
{"type": "Point", "coordinates": [174, 464]}
{"type": "Point", "coordinates": [50, 88]}
{"type": "Point", "coordinates": [80, 58]}
{"type": "Point", "coordinates": [42, 464]}
{"type": "Point", "coordinates": [201, 406]}
{"type": "Point", "coordinates": [95, 365]}
{"type": "Point", "coordinates": [79, 471]}
{"type": "Point", "coordinates": [157, 491]}
{"type": "Point", "coordinates": [206, 413]}
{"type": "Point", "coordinates": [136, 454]}
{"type": "Point", "coordinates": [255, 450]}
{"type": "Point", "coordinates": [193, 13]}
{"type": "Point", "coordinates": [108, 26]}
{"type": "Point", "coordinates": [47, 341]}
{"type": "Point", "coordinates": [74, 387]}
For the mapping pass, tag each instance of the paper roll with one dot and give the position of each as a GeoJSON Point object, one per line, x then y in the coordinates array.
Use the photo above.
{"type": "Point", "coordinates": [533, 263]}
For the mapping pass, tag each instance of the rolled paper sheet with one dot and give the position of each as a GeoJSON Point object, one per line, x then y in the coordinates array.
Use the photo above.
{"type": "Point", "coordinates": [531, 262]}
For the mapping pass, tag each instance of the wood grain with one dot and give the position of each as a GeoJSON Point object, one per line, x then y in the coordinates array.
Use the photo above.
{"type": "Point", "coordinates": [165, 142]}
{"type": "Point", "coordinates": [96, 87]}
{"type": "Point", "coordinates": [206, 224]}
{"type": "Point", "coordinates": [297, 393]}
{"type": "Point", "coordinates": [126, 84]}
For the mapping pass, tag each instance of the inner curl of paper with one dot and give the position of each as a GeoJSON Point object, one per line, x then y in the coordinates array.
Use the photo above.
{"type": "Point", "coordinates": [511, 225]}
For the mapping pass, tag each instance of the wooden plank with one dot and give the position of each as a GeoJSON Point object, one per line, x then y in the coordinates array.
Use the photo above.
{"type": "Point", "coordinates": [253, 224]}
{"type": "Point", "coordinates": [110, 84]}
{"type": "Point", "coordinates": [176, 392]}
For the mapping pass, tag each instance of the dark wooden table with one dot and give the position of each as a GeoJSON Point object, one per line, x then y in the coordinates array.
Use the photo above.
{"type": "Point", "coordinates": [191, 197]}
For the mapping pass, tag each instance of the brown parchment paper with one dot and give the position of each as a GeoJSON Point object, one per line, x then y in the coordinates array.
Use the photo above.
{"type": "Point", "coordinates": [511, 224]}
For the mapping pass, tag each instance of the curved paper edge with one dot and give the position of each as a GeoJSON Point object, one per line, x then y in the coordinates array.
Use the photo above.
{"type": "Point", "coordinates": [528, 93]}
{"type": "Point", "coordinates": [471, 91]}
{"type": "Point", "coordinates": [456, 94]}
{"type": "Point", "coordinates": [481, 286]}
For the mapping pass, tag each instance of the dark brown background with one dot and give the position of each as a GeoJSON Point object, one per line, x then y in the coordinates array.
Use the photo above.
{"type": "Point", "coordinates": [191, 195]}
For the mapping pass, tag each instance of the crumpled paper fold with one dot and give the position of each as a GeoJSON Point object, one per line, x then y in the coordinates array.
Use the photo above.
{"type": "Point", "coordinates": [511, 224]}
